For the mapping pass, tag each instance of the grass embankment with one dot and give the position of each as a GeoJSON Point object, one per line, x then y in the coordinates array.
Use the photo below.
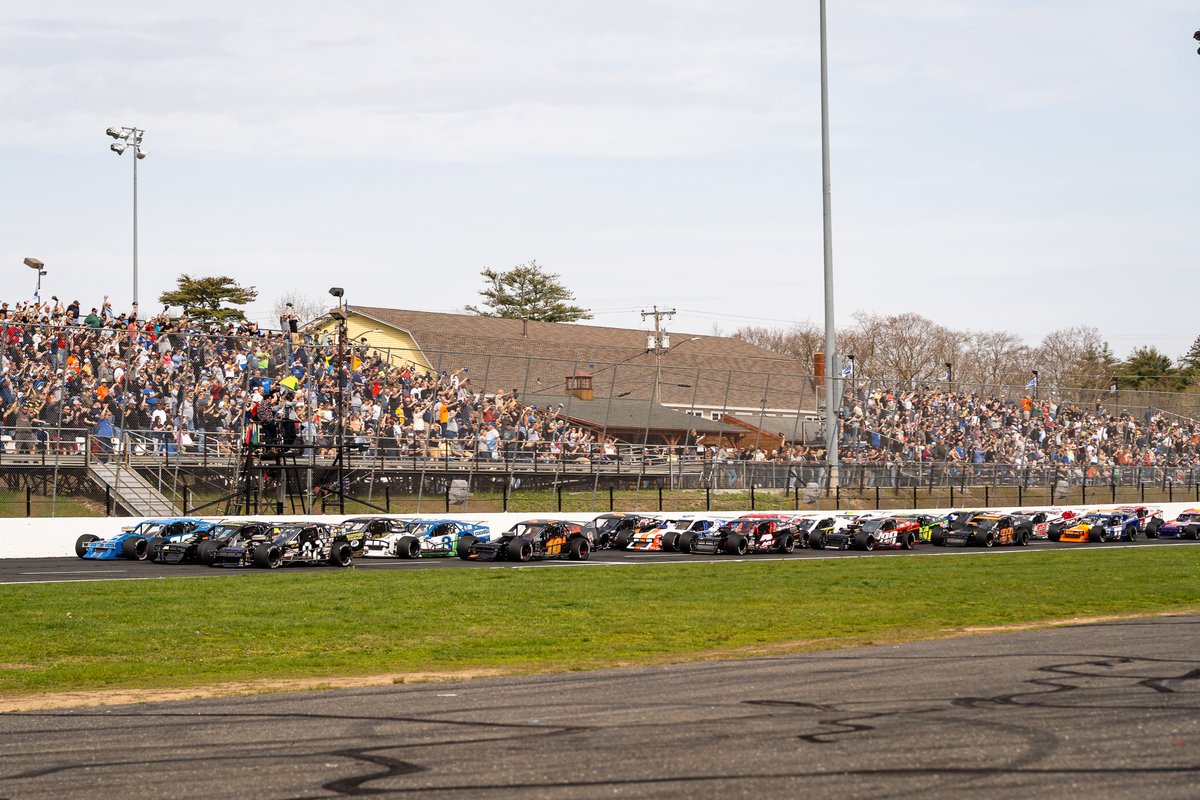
{"type": "Point", "coordinates": [322, 622]}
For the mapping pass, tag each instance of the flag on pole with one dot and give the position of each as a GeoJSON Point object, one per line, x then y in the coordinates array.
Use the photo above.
{"type": "Point", "coordinates": [944, 377]}
{"type": "Point", "coordinates": [1113, 388]}
{"type": "Point", "coordinates": [1032, 383]}
{"type": "Point", "coordinates": [848, 370]}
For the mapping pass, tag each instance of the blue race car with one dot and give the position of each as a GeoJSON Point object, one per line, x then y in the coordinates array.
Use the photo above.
{"type": "Point", "coordinates": [429, 537]}
{"type": "Point", "coordinates": [139, 542]}
{"type": "Point", "coordinates": [1185, 526]}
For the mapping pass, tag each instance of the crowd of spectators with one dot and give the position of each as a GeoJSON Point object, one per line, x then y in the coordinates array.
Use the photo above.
{"type": "Point", "coordinates": [168, 384]}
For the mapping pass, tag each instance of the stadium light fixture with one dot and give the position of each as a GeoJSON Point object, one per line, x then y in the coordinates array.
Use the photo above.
{"type": "Point", "coordinates": [1196, 36]}
{"type": "Point", "coordinates": [36, 264]}
{"type": "Point", "coordinates": [132, 138]}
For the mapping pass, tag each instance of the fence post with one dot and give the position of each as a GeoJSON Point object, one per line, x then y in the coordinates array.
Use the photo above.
{"type": "Point", "coordinates": [876, 498]}
{"type": "Point", "coordinates": [447, 494]}
{"type": "Point", "coordinates": [611, 502]}
{"type": "Point", "coordinates": [108, 509]}
{"type": "Point", "coordinates": [752, 496]}
{"type": "Point", "coordinates": [1142, 491]}
{"type": "Point", "coordinates": [952, 495]}
{"type": "Point", "coordinates": [187, 497]}
{"type": "Point", "coordinates": [707, 499]}
{"type": "Point", "coordinates": [1170, 491]}
{"type": "Point", "coordinates": [559, 493]}
{"type": "Point", "coordinates": [387, 498]}
{"type": "Point", "coordinates": [837, 498]}
{"type": "Point", "coordinates": [796, 495]}
{"type": "Point", "coordinates": [1083, 492]}
{"type": "Point", "coordinates": [1020, 494]}
{"type": "Point", "coordinates": [660, 504]}
{"type": "Point", "coordinates": [1114, 492]}
{"type": "Point", "coordinates": [986, 495]}
{"type": "Point", "coordinates": [28, 500]}
{"type": "Point", "coordinates": [914, 505]}
{"type": "Point", "coordinates": [505, 491]}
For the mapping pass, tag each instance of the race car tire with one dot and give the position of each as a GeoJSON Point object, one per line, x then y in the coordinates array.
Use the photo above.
{"type": "Point", "coordinates": [736, 545]}
{"type": "Point", "coordinates": [520, 550]}
{"type": "Point", "coordinates": [787, 544]}
{"type": "Point", "coordinates": [1192, 532]}
{"type": "Point", "coordinates": [816, 540]}
{"type": "Point", "coordinates": [341, 554]}
{"type": "Point", "coordinates": [684, 545]}
{"type": "Point", "coordinates": [408, 547]}
{"type": "Point", "coordinates": [604, 541]}
{"type": "Point", "coordinates": [938, 538]}
{"type": "Point", "coordinates": [465, 546]}
{"type": "Point", "coordinates": [1131, 533]}
{"type": "Point", "coordinates": [670, 541]}
{"type": "Point", "coordinates": [578, 549]}
{"type": "Point", "coordinates": [82, 543]}
{"type": "Point", "coordinates": [1152, 528]}
{"type": "Point", "coordinates": [206, 552]}
{"type": "Point", "coordinates": [987, 540]}
{"type": "Point", "coordinates": [267, 556]}
{"type": "Point", "coordinates": [622, 540]}
{"type": "Point", "coordinates": [1021, 537]}
{"type": "Point", "coordinates": [134, 548]}
{"type": "Point", "coordinates": [907, 541]}
{"type": "Point", "coordinates": [1054, 535]}
{"type": "Point", "coordinates": [864, 541]}
{"type": "Point", "coordinates": [152, 548]}
{"type": "Point", "coordinates": [1097, 533]}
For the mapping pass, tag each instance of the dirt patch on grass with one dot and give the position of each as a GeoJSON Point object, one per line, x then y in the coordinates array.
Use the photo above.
{"type": "Point", "coordinates": [123, 696]}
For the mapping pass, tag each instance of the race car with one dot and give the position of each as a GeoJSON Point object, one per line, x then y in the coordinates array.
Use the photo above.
{"type": "Point", "coordinates": [873, 533]}
{"type": "Point", "coordinates": [289, 543]}
{"type": "Point", "coordinates": [988, 530]}
{"type": "Point", "coordinates": [671, 534]}
{"type": "Point", "coordinates": [814, 532]}
{"type": "Point", "coordinates": [959, 519]}
{"type": "Point", "coordinates": [138, 542]}
{"type": "Point", "coordinates": [1185, 526]}
{"type": "Point", "coordinates": [927, 526]}
{"type": "Point", "coordinates": [1048, 523]}
{"type": "Point", "coordinates": [607, 528]}
{"type": "Point", "coordinates": [432, 537]}
{"type": "Point", "coordinates": [534, 539]}
{"type": "Point", "coordinates": [1102, 526]}
{"type": "Point", "coordinates": [1149, 519]}
{"type": "Point", "coordinates": [379, 534]}
{"type": "Point", "coordinates": [187, 548]}
{"type": "Point", "coordinates": [746, 535]}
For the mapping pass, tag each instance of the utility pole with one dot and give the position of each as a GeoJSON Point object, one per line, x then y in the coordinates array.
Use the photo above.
{"type": "Point", "coordinates": [658, 342]}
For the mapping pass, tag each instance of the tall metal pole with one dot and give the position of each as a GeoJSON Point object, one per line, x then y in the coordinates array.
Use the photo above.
{"type": "Point", "coordinates": [135, 236]}
{"type": "Point", "coordinates": [831, 361]}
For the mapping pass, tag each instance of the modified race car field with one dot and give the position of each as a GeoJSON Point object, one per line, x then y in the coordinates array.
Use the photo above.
{"type": "Point", "coordinates": [534, 539]}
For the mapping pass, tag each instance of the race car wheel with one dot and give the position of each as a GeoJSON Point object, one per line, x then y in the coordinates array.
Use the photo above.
{"type": "Point", "coordinates": [152, 548]}
{"type": "Point", "coordinates": [684, 545]}
{"type": "Point", "coordinates": [1022, 537]}
{"type": "Point", "coordinates": [267, 556]}
{"type": "Point", "coordinates": [465, 546]}
{"type": "Point", "coordinates": [907, 541]}
{"type": "Point", "coordinates": [604, 542]}
{"type": "Point", "coordinates": [408, 547]}
{"type": "Point", "coordinates": [864, 541]}
{"type": "Point", "coordinates": [670, 541]}
{"type": "Point", "coordinates": [134, 548]}
{"type": "Point", "coordinates": [1053, 534]}
{"type": "Point", "coordinates": [816, 540]}
{"type": "Point", "coordinates": [1152, 529]}
{"type": "Point", "coordinates": [622, 540]}
{"type": "Point", "coordinates": [1193, 532]}
{"type": "Point", "coordinates": [88, 539]}
{"type": "Point", "coordinates": [579, 549]}
{"type": "Point", "coordinates": [787, 544]}
{"type": "Point", "coordinates": [520, 550]}
{"type": "Point", "coordinates": [341, 554]}
{"type": "Point", "coordinates": [1097, 533]}
{"type": "Point", "coordinates": [938, 538]}
{"type": "Point", "coordinates": [736, 545]}
{"type": "Point", "coordinates": [988, 541]}
{"type": "Point", "coordinates": [206, 552]}
{"type": "Point", "coordinates": [1131, 533]}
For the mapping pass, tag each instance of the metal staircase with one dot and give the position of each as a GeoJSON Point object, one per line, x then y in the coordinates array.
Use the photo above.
{"type": "Point", "coordinates": [131, 490]}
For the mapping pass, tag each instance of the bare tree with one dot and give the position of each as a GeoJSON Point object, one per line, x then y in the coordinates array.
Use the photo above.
{"type": "Point", "coordinates": [994, 358]}
{"type": "Point", "coordinates": [800, 341]}
{"type": "Point", "coordinates": [905, 348]}
{"type": "Point", "coordinates": [1075, 357]}
{"type": "Point", "coordinates": [307, 309]}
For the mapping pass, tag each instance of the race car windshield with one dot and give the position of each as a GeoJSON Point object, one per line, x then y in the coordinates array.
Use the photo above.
{"type": "Point", "coordinates": [419, 528]}
{"type": "Point", "coordinates": [1095, 519]}
{"type": "Point", "coordinates": [606, 525]}
{"type": "Point", "coordinates": [985, 524]}
{"type": "Point", "coordinates": [679, 525]}
{"type": "Point", "coordinates": [1188, 518]}
{"type": "Point", "coordinates": [873, 525]}
{"type": "Point", "coordinates": [355, 525]}
{"type": "Point", "coordinates": [221, 531]}
{"type": "Point", "coordinates": [149, 529]}
{"type": "Point", "coordinates": [526, 529]}
{"type": "Point", "coordinates": [742, 526]}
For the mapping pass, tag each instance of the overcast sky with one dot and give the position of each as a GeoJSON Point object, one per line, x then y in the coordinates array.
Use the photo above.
{"type": "Point", "coordinates": [996, 165]}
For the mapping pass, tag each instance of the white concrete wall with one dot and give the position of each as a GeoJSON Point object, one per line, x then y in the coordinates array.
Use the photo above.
{"type": "Point", "coordinates": [40, 538]}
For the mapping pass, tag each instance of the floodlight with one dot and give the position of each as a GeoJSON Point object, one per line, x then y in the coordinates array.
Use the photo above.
{"type": "Point", "coordinates": [142, 152]}
{"type": "Point", "coordinates": [337, 291]}
{"type": "Point", "coordinates": [117, 148]}
{"type": "Point", "coordinates": [114, 132]}
{"type": "Point", "coordinates": [33, 263]}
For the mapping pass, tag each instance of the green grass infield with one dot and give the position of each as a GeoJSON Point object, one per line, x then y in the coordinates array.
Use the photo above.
{"type": "Point", "coordinates": [319, 622]}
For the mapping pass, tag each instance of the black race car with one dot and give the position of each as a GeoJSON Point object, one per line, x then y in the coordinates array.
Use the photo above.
{"type": "Point", "coordinates": [534, 538]}
{"type": "Point", "coordinates": [615, 529]}
{"type": "Point", "coordinates": [289, 543]}
{"type": "Point", "coordinates": [747, 535]}
{"type": "Point", "coordinates": [202, 545]}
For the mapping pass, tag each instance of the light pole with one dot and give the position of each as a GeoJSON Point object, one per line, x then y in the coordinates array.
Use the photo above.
{"type": "Point", "coordinates": [132, 137]}
{"type": "Point", "coordinates": [950, 377]}
{"type": "Point", "coordinates": [34, 263]}
{"type": "Point", "coordinates": [831, 367]}
{"type": "Point", "coordinates": [339, 314]}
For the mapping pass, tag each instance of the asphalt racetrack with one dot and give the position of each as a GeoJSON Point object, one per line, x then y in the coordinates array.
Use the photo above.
{"type": "Point", "coordinates": [53, 570]}
{"type": "Point", "coordinates": [1099, 711]}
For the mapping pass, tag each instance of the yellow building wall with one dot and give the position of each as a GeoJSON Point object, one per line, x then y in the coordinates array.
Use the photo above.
{"type": "Point", "coordinates": [397, 346]}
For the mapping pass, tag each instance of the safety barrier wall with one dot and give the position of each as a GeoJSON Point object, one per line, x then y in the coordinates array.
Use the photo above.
{"type": "Point", "coordinates": [48, 538]}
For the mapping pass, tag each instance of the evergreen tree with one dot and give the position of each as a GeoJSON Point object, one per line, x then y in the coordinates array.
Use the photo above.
{"type": "Point", "coordinates": [209, 299]}
{"type": "Point", "coordinates": [527, 292]}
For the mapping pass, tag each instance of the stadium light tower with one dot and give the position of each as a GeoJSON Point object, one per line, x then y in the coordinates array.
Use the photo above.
{"type": "Point", "coordinates": [127, 138]}
{"type": "Point", "coordinates": [34, 263]}
{"type": "Point", "coordinates": [1196, 36]}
